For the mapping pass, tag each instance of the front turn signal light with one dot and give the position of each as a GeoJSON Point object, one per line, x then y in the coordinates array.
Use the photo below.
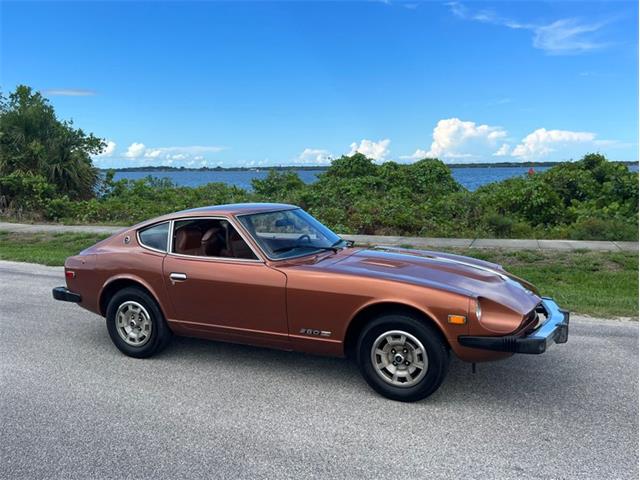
{"type": "Point", "coordinates": [457, 319]}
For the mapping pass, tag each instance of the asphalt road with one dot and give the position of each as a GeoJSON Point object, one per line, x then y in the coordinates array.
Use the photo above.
{"type": "Point", "coordinates": [72, 406]}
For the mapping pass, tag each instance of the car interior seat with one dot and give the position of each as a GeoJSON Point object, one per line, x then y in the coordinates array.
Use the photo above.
{"type": "Point", "coordinates": [188, 241]}
{"type": "Point", "coordinates": [236, 246]}
{"type": "Point", "coordinates": [213, 242]}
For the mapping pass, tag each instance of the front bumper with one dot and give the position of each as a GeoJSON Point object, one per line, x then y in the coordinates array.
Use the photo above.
{"type": "Point", "coordinates": [554, 330]}
{"type": "Point", "coordinates": [66, 295]}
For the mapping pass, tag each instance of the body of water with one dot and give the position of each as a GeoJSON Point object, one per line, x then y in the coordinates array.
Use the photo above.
{"type": "Point", "coordinates": [471, 178]}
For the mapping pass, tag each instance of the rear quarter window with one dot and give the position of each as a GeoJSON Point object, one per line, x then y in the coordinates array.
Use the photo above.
{"type": "Point", "coordinates": [155, 237]}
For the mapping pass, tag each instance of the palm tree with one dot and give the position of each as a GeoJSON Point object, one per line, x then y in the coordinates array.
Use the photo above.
{"type": "Point", "coordinates": [34, 141]}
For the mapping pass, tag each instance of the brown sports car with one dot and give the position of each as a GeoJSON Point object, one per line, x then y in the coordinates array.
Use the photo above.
{"type": "Point", "coordinates": [272, 275]}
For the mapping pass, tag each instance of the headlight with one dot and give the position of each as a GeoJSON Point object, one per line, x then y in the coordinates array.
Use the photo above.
{"type": "Point", "coordinates": [478, 310]}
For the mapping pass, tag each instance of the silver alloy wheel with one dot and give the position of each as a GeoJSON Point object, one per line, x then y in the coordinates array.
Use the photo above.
{"type": "Point", "coordinates": [133, 323]}
{"type": "Point", "coordinates": [399, 358]}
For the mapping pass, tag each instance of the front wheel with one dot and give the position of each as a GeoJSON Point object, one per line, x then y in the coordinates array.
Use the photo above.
{"type": "Point", "coordinates": [402, 357]}
{"type": "Point", "coordinates": [136, 324]}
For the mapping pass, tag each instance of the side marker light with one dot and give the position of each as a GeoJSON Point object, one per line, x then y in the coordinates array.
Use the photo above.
{"type": "Point", "coordinates": [457, 319]}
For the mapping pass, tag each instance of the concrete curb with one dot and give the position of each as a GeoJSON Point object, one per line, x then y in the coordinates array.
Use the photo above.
{"type": "Point", "coordinates": [496, 243]}
{"type": "Point", "coordinates": [421, 242]}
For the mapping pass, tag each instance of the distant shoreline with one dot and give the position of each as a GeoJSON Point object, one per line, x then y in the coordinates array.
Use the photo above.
{"type": "Point", "coordinates": [325, 167]}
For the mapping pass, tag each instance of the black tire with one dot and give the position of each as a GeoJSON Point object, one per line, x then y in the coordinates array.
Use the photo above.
{"type": "Point", "coordinates": [437, 356]}
{"type": "Point", "coordinates": [159, 336]}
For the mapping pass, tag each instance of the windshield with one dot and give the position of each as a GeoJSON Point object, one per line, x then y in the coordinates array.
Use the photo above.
{"type": "Point", "coordinates": [289, 233]}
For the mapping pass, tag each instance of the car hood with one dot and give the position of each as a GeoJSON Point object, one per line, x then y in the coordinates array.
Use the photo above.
{"type": "Point", "coordinates": [464, 275]}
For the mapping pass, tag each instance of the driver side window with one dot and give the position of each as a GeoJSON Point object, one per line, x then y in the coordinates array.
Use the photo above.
{"type": "Point", "coordinates": [209, 238]}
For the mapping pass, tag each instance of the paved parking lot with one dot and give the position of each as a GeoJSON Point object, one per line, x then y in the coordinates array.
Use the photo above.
{"type": "Point", "coordinates": [72, 406]}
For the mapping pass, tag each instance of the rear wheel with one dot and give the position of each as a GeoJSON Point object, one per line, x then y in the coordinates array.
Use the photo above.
{"type": "Point", "coordinates": [136, 324]}
{"type": "Point", "coordinates": [402, 357]}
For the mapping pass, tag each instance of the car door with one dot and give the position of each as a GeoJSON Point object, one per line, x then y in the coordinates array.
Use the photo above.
{"type": "Point", "coordinates": [219, 287]}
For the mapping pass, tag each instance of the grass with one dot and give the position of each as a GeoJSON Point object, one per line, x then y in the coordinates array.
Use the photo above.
{"type": "Point", "coordinates": [602, 284]}
{"type": "Point", "coordinates": [45, 248]}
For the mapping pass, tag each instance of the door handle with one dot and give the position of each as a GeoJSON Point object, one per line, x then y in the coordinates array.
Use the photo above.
{"type": "Point", "coordinates": [177, 277]}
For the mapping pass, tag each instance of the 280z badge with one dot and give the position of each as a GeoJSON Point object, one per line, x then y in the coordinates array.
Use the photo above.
{"type": "Point", "coordinates": [315, 333]}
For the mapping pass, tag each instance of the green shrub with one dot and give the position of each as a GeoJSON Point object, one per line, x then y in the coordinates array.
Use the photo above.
{"type": "Point", "coordinates": [501, 225]}
{"type": "Point", "coordinates": [588, 199]}
{"type": "Point", "coordinates": [355, 166]}
{"type": "Point", "coordinates": [602, 229]}
{"type": "Point", "coordinates": [60, 208]}
{"type": "Point", "coordinates": [278, 186]}
{"type": "Point", "coordinates": [25, 192]}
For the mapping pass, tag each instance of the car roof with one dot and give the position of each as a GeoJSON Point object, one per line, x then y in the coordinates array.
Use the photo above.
{"type": "Point", "coordinates": [236, 209]}
{"type": "Point", "coordinates": [225, 210]}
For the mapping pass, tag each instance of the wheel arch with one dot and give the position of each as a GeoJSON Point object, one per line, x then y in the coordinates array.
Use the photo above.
{"type": "Point", "coordinates": [371, 311]}
{"type": "Point", "coordinates": [113, 285]}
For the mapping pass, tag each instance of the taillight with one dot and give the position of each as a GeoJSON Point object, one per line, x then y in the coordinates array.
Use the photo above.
{"type": "Point", "coordinates": [70, 274]}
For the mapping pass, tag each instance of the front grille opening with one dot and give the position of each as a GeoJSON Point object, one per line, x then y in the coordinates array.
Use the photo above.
{"type": "Point", "coordinates": [534, 319]}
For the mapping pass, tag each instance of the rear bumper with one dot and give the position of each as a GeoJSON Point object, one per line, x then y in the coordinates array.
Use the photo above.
{"type": "Point", "coordinates": [65, 295]}
{"type": "Point", "coordinates": [554, 330]}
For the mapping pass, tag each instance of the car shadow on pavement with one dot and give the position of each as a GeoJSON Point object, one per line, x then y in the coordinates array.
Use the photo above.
{"type": "Point", "coordinates": [517, 378]}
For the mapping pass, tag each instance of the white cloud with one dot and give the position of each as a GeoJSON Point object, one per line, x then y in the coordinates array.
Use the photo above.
{"type": "Point", "coordinates": [375, 150]}
{"type": "Point", "coordinates": [455, 138]}
{"type": "Point", "coordinates": [542, 142]}
{"type": "Point", "coordinates": [503, 151]}
{"type": "Point", "coordinates": [108, 150]}
{"type": "Point", "coordinates": [194, 149]}
{"type": "Point", "coordinates": [68, 92]}
{"type": "Point", "coordinates": [152, 153]}
{"type": "Point", "coordinates": [566, 36]}
{"type": "Point", "coordinates": [167, 155]}
{"type": "Point", "coordinates": [314, 156]}
{"type": "Point", "coordinates": [604, 143]}
{"type": "Point", "coordinates": [419, 154]}
{"type": "Point", "coordinates": [135, 150]}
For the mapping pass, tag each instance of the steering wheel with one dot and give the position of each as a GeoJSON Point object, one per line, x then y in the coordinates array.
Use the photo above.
{"type": "Point", "coordinates": [304, 236]}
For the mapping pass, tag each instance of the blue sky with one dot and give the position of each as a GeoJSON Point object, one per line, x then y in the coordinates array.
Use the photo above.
{"type": "Point", "coordinates": [280, 83]}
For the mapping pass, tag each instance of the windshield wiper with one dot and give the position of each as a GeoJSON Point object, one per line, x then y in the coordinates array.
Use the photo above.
{"type": "Point", "coordinates": [335, 244]}
{"type": "Point", "coordinates": [286, 249]}
{"type": "Point", "coordinates": [334, 247]}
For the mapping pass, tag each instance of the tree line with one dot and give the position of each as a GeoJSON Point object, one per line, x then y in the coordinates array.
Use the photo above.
{"type": "Point", "coordinates": [46, 173]}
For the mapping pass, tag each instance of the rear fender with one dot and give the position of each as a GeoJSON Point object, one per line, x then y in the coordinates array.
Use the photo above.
{"type": "Point", "coordinates": [124, 280]}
